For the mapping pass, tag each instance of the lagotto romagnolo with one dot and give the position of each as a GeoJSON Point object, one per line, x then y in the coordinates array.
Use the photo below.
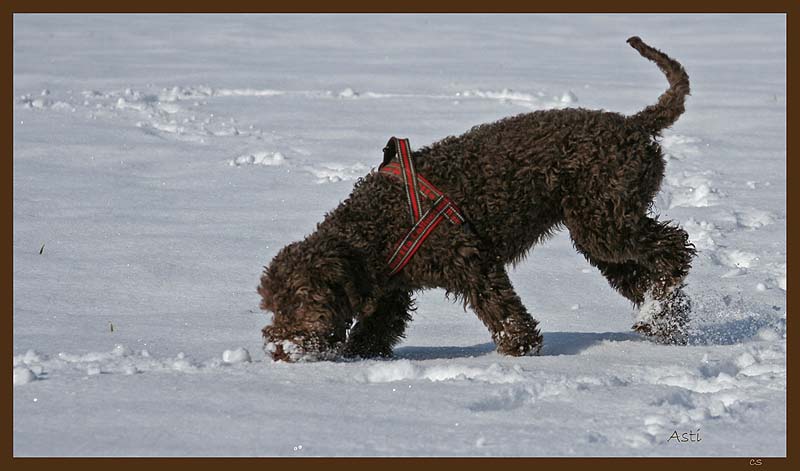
{"type": "Point", "coordinates": [515, 182]}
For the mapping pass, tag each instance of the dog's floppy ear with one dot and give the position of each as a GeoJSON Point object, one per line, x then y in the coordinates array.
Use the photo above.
{"type": "Point", "coordinates": [266, 296]}
{"type": "Point", "coordinates": [274, 277]}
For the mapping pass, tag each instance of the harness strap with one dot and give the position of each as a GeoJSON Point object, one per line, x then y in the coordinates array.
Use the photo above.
{"type": "Point", "coordinates": [413, 240]}
{"type": "Point", "coordinates": [415, 185]}
{"type": "Point", "coordinates": [429, 190]}
{"type": "Point", "coordinates": [409, 178]}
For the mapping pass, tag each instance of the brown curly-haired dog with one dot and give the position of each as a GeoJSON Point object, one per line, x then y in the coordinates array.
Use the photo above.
{"type": "Point", "coordinates": [516, 181]}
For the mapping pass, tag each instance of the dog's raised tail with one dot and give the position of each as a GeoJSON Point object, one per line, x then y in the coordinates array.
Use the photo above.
{"type": "Point", "coordinates": [670, 104]}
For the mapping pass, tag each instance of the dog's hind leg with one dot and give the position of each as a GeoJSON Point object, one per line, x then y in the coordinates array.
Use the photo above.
{"type": "Point", "coordinates": [629, 278]}
{"type": "Point", "coordinates": [666, 319]}
{"type": "Point", "coordinates": [488, 290]}
{"type": "Point", "coordinates": [664, 315]}
{"type": "Point", "coordinates": [649, 266]}
{"type": "Point", "coordinates": [376, 334]}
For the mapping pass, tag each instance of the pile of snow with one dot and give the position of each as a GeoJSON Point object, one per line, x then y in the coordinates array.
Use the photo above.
{"type": "Point", "coordinates": [537, 101]}
{"type": "Point", "coordinates": [680, 147]}
{"type": "Point", "coordinates": [404, 370]}
{"type": "Point", "coordinates": [239, 355]}
{"type": "Point", "coordinates": [348, 93]}
{"type": "Point", "coordinates": [23, 375]}
{"type": "Point", "coordinates": [270, 159]}
{"type": "Point", "coordinates": [752, 218]}
{"type": "Point", "coordinates": [701, 234]}
{"type": "Point", "coordinates": [734, 258]}
{"type": "Point", "coordinates": [247, 92]}
{"type": "Point", "coordinates": [27, 367]}
{"type": "Point", "coordinates": [336, 172]}
{"type": "Point", "coordinates": [691, 191]}
{"type": "Point", "coordinates": [568, 98]}
{"type": "Point", "coordinates": [42, 102]}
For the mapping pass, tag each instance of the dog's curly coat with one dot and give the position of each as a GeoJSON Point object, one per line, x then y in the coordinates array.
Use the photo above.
{"type": "Point", "coordinates": [516, 181]}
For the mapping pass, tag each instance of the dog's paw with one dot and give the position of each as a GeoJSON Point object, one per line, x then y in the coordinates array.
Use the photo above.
{"type": "Point", "coordinates": [665, 320]}
{"type": "Point", "coordinates": [674, 336]}
{"type": "Point", "coordinates": [516, 341]}
{"type": "Point", "coordinates": [520, 349]}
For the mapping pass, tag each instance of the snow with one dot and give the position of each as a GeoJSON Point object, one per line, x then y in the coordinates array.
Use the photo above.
{"type": "Point", "coordinates": [402, 370]}
{"type": "Point", "coordinates": [259, 158]}
{"type": "Point", "coordinates": [23, 375]}
{"type": "Point", "coordinates": [348, 93]}
{"type": "Point", "coordinates": [736, 258]}
{"type": "Point", "coordinates": [162, 177]}
{"type": "Point", "coordinates": [239, 355]}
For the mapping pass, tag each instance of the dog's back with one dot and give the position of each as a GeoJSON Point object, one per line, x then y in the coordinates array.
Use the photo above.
{"type": "Point", "coordinates": [514, 174]}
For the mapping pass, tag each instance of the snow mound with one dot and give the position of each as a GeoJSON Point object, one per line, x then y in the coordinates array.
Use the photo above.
{"type": "Point", "coordinates": [247, 92]}
{"type": "Point", "coordinates": [239, 355]}
{"type": "Point", "coordinates": [736, 258]}
{"type": "Point", "coordinates": [701, 233]}
{"type": "Point", "coordinates": [270, 159]}
{"type": "Point", "coordinates": [120, 360]}
{"type": "Point", "coordinates": [695, 191]}
{"type": "Point", "coordinates": [336, 172]}
{"type": "Point", "coordinates": [31, 356]}
{"type": "Point", "coordinates": [505, 94]}
{"type": "Point", "coordinates": [175, 93]}
{"type": "Point", "coordinates": [768, 334]}
{"type": "Point", "coordinates": [782, 278]}
{"type": "Point", "coordinates": [42, 103]}
{"type": "Point", "coordinates": [778, 272]}
{"type": "Point", "coordinates": [348, 93]}
{"type": "Point", "coordinates": [753, 218]}
{"type": "Point", "coordinates": [679, 147]}
{"type": "Point", "coordinates": [392, 371]}
{"type": "Point", "coordinates": [405, 370]}
{"type": "Point", "coordinates": [568, 97]}
{"type": "Point", "coordinates": [23, 375]}
{"type": "Point", "coordinates": [538, 101]}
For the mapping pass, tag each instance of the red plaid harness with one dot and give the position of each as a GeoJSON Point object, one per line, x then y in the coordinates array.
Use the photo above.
{"type": "Point", "coordinates": [422, 224]}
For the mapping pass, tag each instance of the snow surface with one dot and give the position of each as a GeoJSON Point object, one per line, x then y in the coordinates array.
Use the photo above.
{"type": "Point", "coordinates": [161, 161]}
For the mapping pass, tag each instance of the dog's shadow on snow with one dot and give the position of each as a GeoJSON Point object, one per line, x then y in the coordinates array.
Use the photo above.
{"type": "Point", "coordinates": [555, 343]}
{"type": "Point", "coordinates": [573, 343]}
{"type": "Point", "coordinates": [436, 353]}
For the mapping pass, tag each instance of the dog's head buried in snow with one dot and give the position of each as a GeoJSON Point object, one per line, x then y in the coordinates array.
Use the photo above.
{"type": "Point", "coordinates": [314, 292]}
{"type": "Point", "coordinates": [345, 290]}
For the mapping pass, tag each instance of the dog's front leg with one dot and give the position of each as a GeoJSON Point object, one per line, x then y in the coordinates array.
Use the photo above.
{"type": "Point", "coordinates": [377, 332]}
{"type": "Point", "coordinates": [491, 295]}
